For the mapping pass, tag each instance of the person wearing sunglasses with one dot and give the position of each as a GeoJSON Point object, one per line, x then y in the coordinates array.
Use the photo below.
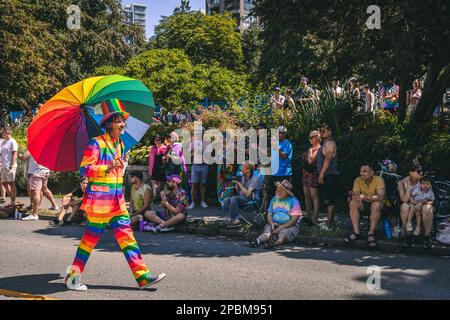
{"type": "Point", "coordinates": [405, 188]}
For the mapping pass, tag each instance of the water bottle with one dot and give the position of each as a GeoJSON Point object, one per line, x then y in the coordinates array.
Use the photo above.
{"type": "Point", "coordinates": [387, 229]}
{"type": "Point", "coordinates": [141, 225]}
{"type": "Point", "coordinates": [19, 214]}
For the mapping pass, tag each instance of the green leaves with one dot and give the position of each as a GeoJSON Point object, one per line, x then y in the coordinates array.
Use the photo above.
{"type": "Point", "coordinates": [39, 55]}
{"type": "Point", "coordinates": [205, 39]}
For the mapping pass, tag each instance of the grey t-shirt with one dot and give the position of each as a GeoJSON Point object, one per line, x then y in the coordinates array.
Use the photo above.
{"type": "Point", "coordinates": [419, 196]}
{"type": "Point", "coordinates": [253, 183]}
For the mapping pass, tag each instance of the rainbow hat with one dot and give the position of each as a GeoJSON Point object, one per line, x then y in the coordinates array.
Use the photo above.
{"type": "Point", "coordinates": [112, 107]}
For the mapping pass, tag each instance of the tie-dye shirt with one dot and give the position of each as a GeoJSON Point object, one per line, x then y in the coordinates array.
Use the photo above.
{"type": "Point", "coordinates": [282, 210]}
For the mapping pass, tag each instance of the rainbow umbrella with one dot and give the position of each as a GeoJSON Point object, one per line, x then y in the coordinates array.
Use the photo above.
{"type": "Point", "coordinates": [61, 130]}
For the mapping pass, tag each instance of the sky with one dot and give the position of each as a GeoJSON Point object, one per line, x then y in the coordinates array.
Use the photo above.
{"type": "Point", "coordinates": [158, 8]}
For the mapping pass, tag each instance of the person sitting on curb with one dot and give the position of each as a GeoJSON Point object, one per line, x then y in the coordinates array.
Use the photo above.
{"type": "Point", "coordinates": [283, 216]}
{"type": "Point", "coordinates": [245, 189]}
{"type": "Point", "coordinates": [174, 202]}
{"type": "Point", "coordinates": [73, 200]}
{"type": "Point", "coordinates": [367, 197]}
{"type": "Point", "coordinates": [422, 199]}
{"type": "Point", "coordinates": [405, 188]}
{"type": "Point", "coordinates": [141, 197]}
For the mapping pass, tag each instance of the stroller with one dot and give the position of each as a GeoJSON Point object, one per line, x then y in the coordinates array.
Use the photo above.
{"type": "Point", "coordinates": [441, 223]}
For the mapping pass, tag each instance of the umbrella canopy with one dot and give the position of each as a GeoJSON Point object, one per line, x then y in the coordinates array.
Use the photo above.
{"type": "Point", "coordinates": [63, 126]}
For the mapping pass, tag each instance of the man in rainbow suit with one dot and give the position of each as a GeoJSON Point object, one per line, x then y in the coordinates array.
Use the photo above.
{"type": "Point", "coordinates": [104, 201]}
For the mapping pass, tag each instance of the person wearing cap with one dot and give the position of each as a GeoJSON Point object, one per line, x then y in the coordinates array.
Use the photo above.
{"type": "Point", "coordinates": [328, 173]}
{"type": "Point", "coordinates": [174, 203]}
{"type": "Point", "coordinates": [304, 92]}
{"type": "Point", "coordinates": [141, 197]}
{"type": "Point", "coordinates": [283, 216]}
{"type": "Point", "coordinates": [277, 100]}
{"type": "Point", "coordinates": [104, 201]}
{"type": "Point", "coordinates": [281, 154]}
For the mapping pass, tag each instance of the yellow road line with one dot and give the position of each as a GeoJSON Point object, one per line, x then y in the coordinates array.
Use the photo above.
{"type": "Point", "coordinates": [23, 295]}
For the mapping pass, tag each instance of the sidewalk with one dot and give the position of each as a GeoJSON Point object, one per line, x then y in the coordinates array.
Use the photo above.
{"type": "Point", "coordinates": [211, 221]}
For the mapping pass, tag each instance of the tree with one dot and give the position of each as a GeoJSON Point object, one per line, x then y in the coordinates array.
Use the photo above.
{"type": "Point", "coordinates": [177, 84]}
{"type": "Point", "coordinates": [40, 55]}
{"type": "Point", "coordinates": [183, 8]}
{"type": "Point", "coordinates": [203, 38]}
{"type": "Point", "coordinates": [331, 38]}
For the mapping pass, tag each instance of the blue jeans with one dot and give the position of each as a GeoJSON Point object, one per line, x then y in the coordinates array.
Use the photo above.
{"type": "Point", "coordinates": [231, 204]}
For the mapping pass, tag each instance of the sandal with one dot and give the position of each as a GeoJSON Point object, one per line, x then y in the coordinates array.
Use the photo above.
{"type": "Point", "coordinates": [352, 238]}
{"type": "Point", "coordinates": [372, 242]}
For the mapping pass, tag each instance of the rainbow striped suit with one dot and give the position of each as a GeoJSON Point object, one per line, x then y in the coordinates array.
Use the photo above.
{"type": "Point", "coordinates": [104, 204]}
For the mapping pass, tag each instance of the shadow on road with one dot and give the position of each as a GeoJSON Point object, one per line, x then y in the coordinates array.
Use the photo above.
{"type": "Point", "coordinates": [177, 244]}
{"type": "Point", "coordinates": [402, 276]}
{"type": "Point", "coordinates": [45, 284]}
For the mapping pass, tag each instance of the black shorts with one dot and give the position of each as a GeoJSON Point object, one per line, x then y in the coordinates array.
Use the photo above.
{"type": "Point", "coordinates": [329, 190]}
{"type": "Point", "coordinates": [367, 208]}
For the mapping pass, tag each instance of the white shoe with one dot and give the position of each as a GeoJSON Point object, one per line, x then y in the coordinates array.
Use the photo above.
{"type": "Point", "coordinates": [53, 208]}
{"type": "Point", "coordinates": [203, 204]}
{"type": "Point", "coordinates": [30, 218]}
{"type": "Point", "coordinates": [417, 231]}
{"type": "Point", "coordinates": [191, 206]}
{"type": "Point", "coordinates": [73, 282]}
{"type": "Point", "coordinates": [153, 280]}
{"type": "Point", "coordinates": [409, 227]}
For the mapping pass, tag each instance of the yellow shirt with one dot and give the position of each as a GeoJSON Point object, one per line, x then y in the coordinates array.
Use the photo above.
{"type": "Point", "coordinates": [137, 195]}
{"type": "Point", "coordinates": [368, 190]}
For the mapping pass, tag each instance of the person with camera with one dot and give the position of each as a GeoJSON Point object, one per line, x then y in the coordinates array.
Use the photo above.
{"type": "Point", "coordinates": [245, 190]}
{"type": "Point", "coordinates": [283, 216]}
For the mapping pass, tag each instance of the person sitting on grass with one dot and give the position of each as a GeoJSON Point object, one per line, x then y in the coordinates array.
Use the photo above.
{"type": "Point", "coordinates": [283, 216]}
{"type": "Point", "coordinates": [141, 197]}
{"type": "Point", "coordinates": [421, 205]}
{"type": "Point", "coordinates": [368, 193]}
{"type": "Point", "coordinates": [174, 202]}
{"type": "Point", "coordinates": [73, 200]}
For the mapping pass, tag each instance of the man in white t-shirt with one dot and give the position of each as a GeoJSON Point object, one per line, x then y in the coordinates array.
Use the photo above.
{"type": "Point", "coordinates": [8, 157]}
{"type": "Point", "coordinates": [37, 185]}
{"type": "Point", "coordinates": [2, 188]}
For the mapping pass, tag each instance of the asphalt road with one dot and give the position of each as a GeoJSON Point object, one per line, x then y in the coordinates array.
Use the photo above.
{"type": "Point", "coordinates": [34, 257]}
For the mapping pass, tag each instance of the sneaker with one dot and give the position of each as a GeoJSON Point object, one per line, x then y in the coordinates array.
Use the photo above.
{"type": "Point", "coordinates": [167, 229]}
{"type": "Point", "coordinates": [203, 204]}
{"type": "Point", "coordinates": [73, 282]}
{"type": "Point", "coordinates": [149, 227]}
{"type": "Point", "coordinates": [30, 218]}
{"type": "Point", "coordinates": [417, 231]}
{"type": "Point", "coordinates": [409, 227]}
{"type": "Point", "coordinates": [253, 241]}
{"type": "Point", "coordinates": [153, 279]}
{"type": "Point", "coordinates": [191, 206]}
{"type": "Point", "coordinates": [427, 244]}
{"type": "Point", "coordinates": [56, 222]}
{"type": "Point", "coordinates": [53, 208]}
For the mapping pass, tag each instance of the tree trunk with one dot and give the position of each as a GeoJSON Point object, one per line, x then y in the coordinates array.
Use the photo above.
{"type": "Point", "coordinates": [403, 84]}
{"type": "Point", "coordinates": [437, 79]}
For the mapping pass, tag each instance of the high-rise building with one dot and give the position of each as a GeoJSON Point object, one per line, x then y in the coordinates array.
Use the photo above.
{"type": "Point", "coordinates": [135, 14]}
{"type": "Point", "coordinates": [240, 9]}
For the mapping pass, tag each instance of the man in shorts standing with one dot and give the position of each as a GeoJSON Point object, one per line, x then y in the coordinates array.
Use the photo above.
{"type": "Point", "coordinates": [328, 173]}
{"type": "Point", "coordinates": [9, 150]}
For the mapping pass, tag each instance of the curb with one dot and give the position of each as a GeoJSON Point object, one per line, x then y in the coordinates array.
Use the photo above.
{"type": "Point", "coordinates": [382, 246]}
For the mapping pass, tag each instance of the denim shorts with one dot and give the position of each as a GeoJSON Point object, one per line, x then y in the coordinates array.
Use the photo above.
{"type": "Point", "coordinates": [199, 173]}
